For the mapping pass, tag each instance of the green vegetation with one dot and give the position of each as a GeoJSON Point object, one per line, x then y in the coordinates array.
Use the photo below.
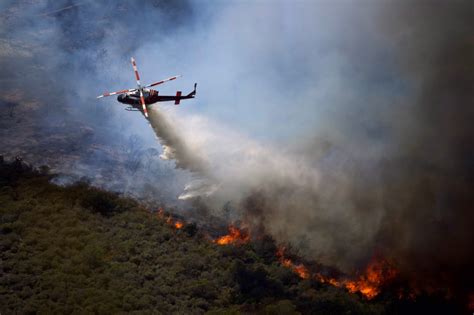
{"type": "Point", "coordinates": [82, 250]}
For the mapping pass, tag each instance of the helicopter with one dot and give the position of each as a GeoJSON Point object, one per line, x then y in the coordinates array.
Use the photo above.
{"type": "Point", "coordinates": [139, 98]}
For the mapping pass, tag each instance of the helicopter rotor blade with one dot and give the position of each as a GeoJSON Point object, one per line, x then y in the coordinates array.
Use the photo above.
{"type": "Point", "coordinates": [118, 92]}
{"type": "Point", "coordinates": [142, 101]}
{"type": "Point", "coordinates": [137, 77]}
{"type": "Point", "coordinates": [163, 81]}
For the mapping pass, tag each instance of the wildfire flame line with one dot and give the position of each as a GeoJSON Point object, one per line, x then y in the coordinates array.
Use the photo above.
{"type": "Point", "coordinates": [177, 224]}
{"type": "Point", "coordinates": [299, 269]}
{"type": "Point", "coordinates": [377, 274]}
{"type": "Point", "coordinates": [369, 284]}
{"type": "Point", "coordinates": [235, 236]}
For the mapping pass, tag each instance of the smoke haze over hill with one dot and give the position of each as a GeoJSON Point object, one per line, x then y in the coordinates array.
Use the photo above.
{"type": "Point", "coordinates": [343, 128]}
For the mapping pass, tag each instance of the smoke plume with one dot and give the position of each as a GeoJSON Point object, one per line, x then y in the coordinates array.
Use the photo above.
{"type": "Point", "coordinates": [342, 128]}
{"type": "Point", "coordinates": [390, 172]}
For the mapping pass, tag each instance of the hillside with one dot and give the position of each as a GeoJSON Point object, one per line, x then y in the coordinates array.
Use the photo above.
{"type": "Point", "coordinates": [78, 249]}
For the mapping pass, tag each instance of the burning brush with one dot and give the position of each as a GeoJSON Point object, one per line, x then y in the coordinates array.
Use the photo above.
{"type": "Point", "coordinates": [378, 273]}
{"type": "Point", "coordinates": [235, 237]}
{"type": "Point", "coordinates": [177, 224]}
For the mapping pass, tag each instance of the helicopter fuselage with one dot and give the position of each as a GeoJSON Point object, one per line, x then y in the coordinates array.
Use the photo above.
{"type": "Point", "coordinates": [150, 97]}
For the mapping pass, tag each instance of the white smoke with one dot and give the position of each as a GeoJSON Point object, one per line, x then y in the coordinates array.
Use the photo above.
{"type": "Point", "coordinates": [227, 165]}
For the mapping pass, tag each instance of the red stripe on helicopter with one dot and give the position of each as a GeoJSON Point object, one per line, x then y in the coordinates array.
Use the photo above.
{"type": "Point", "coordinates": [178, 98]}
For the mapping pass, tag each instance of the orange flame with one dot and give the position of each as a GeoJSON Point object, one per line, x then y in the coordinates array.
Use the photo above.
{"type": "Point", "coordinates": [331, 281]}
{"type": "Point", "coordinates": [377, 273]}
{"type": "Point", "coordinates": [235, 236]}
{"type": "Point", "coordinates": [299, 269]}
{"type": "Point", "coordinates": [369, 284]}
{"type": "Point", "coordinates": [169, 219]}
{"type": "Point", "coordinates": [302, 271]}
